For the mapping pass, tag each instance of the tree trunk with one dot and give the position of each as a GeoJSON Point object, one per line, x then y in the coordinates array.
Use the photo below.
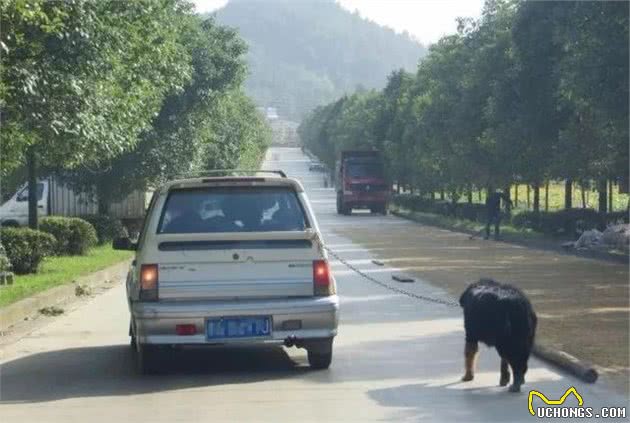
{"type": "Point", "coordinates": [515, 195]}
{"type": "Point", "coordinates": [583, 191]}
{"type": "Point", "coordinates": [610, 196]}
{"type": "Point", "coordinates": [528, 197]}
{"type": "Point", "coordinates": [536, 197]}
{"type": "Point", "coordinates": [547, 196]}
{"type": "Point", "coordinates": [568, 194]}
{"type": "Point", "coordinates": [479, 195]}
{"type": "Point", "coordinates": [433, 195]}
{"type": "Point", "coordinates": [31, 162]}
{"type": "Point", "coordinates": [470, 195]}
{"type": "Point", "coordinates": [442, 194]}
{"type": "Point", "coordinates": [602, 188]}
{"type": "Point", "coordinates": [102, 201]}
{"type": "Point", "coordinates": [398, 187]}
{"type": "Point", "coordinates": [508, 192]}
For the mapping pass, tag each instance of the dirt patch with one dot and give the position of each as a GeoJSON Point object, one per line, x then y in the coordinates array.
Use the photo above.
{"type": "Point", "coordinates": [582, 304]}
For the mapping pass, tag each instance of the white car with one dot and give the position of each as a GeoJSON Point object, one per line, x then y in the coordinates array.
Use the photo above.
{"type": "Point", "coordinates": [230, 260]}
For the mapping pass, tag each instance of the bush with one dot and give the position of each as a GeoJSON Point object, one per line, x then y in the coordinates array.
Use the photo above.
{"type": "Point", "coordinates": [107, 227]}
{"type": "Point", "coordinates": [74, 236]}
{"type": "Point", "coordinates": [26, 248]}
{"type": "Point", "coordinates": [570, 222]}
{"type": "Point", "coordinates": [475, 212]}
{"type": "Point", "coordinates": [421, 204]}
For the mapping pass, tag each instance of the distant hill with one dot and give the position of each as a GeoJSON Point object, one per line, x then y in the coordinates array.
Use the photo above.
{"type": "Point", "coordinates": [307, 53]}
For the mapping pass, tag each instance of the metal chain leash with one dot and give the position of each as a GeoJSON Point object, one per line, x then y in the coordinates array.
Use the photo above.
{"type": "Point", "coordinates": [448, 303]}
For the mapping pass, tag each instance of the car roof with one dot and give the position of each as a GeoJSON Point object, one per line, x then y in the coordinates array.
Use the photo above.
{"type": "Point", "coordinates": [223, 181]}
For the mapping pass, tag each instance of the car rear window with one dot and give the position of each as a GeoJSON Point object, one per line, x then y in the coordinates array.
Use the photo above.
{"type": "Point", "coordinates": [242, 209]}
{"type": "Point", "coordinates": [364, 170]}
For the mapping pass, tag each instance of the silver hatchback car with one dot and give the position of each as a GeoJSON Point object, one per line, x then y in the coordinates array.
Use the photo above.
{"type": "Point", "coordinates": [230, 260]}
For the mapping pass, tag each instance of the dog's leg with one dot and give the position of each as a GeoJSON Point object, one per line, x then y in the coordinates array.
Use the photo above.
{"type": "Point", "coordinates": [470, 354]}
{"type": "Point", "coordinates": [505, 372]}
{"type": "Point", "coordinates": [518, 370]}
{"type": "Point", "coordinates": [516, 384]}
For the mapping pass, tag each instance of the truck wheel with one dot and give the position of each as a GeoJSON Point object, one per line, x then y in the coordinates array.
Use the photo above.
{"type": "Point", "coordinates": [320, 354]}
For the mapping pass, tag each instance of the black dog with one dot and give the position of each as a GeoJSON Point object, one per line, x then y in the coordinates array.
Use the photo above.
{"type": "Point", "coordinates": [499, 315]}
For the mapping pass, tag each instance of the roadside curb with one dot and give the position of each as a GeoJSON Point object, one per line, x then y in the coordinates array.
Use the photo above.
{"type": "Point", "coordinates": [23, 309]}
{"type": "Point", "coordinates": [565, 361]}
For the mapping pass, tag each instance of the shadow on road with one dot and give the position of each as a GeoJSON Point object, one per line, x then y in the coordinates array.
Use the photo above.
{"type": "Point", "coordinates": [449, 402]}
{"type": "Point", "coordinates": [109, 371]}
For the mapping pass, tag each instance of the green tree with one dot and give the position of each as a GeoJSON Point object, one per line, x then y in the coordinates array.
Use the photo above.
{"type": "Point", "coordinates": [594, 91]}
{"type": "Point", "coordinates": [209, 124]}
{"type": "Point", "coordinates": [529, 92]}
{"type": "Point", "coordinates": [80, 80]}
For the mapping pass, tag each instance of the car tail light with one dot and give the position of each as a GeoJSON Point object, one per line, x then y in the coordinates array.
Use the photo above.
{"type": "Point", "coordinates": [323, 284]}
{"type": "Point", "coordinates": [149, 282]}
{"type": "Point", "coordinates": [185, 330]}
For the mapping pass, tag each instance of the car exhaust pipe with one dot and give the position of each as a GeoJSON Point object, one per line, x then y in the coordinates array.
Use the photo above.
{"type": "Point", "coordinates": [290, 341]}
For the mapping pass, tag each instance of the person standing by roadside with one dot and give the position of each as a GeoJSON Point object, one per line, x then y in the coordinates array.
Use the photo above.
{"type": "Point", "coordinates": [493, 211]}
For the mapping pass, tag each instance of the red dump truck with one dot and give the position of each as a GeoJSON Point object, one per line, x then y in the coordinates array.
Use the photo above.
{"type": "Point", "coordinates": [360, 182]}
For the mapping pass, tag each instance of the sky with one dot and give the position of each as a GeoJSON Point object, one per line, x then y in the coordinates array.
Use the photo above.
{"type": "Point", "coordinates": [425, 20]}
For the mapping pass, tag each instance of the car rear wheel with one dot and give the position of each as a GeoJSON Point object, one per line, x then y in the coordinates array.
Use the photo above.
{"type": "Point", "coordinates": [148, 359]}
{"type": "Point", "coordinates": [319, 361]}
{"type": "Point", "coordinates": [320, 354]}
{"type": "Point", "coordinates": [132, 337]}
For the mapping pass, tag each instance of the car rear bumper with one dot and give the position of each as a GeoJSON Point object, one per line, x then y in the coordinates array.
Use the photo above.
{"type": "Point", "coordinates": [365, 199]}
{"type": "Point", "coordinates": [154, 323]}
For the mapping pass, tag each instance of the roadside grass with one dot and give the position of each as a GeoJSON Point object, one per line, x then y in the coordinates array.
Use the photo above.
{"type": "Point", "coordinates": [60, 270]}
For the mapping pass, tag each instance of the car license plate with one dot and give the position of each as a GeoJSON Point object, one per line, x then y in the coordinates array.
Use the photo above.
{"type": "Point", "coordinates": [239, 327]}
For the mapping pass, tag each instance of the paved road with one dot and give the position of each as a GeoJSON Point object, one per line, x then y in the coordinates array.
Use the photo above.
{"type": "Point", "coordinates": [396, 359]}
